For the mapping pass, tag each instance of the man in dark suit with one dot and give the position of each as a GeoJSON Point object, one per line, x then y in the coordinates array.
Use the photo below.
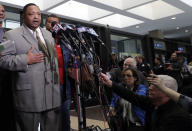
{"type": "Point", "coordinates": [6, 99]}
{"type": "Point", "coordinates": [32, 58]}
{"type": "Point", "coordinates": [162, 114]}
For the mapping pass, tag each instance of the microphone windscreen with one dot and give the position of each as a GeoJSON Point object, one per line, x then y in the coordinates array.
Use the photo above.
{"type": "Point", "coordinates": [53, 23]}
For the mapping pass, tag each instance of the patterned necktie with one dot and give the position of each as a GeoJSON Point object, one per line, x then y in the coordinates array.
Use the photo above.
{"type": "Point", "coordinates": [42, 46]}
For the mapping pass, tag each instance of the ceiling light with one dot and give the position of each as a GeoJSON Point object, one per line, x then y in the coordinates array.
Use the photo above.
{"type": "Point", "coordinates": [177, 27]}
{"type": "Point", "coordinates": [119, 21]}
{"type": "Point", "coordinates": [79, 10]}
{"type": "Point", "coordinates": [122, 4]}
{"type": "Point", "coordinates": [156, 10]}
{"type": "Point", "coordinates": [186, 31]}
{"type": "Point", "coordinates": [24, 2]}
{"type": "Point", "coordinates": [173, 18]}
{"type": "Point", "coordinates": [188, 2]}
{"type": "Point", "coordinates": [137, 26]}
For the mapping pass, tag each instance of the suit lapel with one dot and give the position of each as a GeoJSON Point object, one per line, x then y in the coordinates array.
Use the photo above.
{"type": "Point", "coordinates": [30, 38]}
{"type": "Point", "coordinates": [49, 46]}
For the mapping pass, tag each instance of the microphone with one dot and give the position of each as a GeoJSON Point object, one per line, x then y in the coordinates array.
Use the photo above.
{"type": "Point", "coordinates": [91, 32]}
{"type": "Point", "coordinates": [57, 29]}
{"type": "Point", "coordinates": [68, 27]}
{"type": "Point", "coordinates": [98, 39]}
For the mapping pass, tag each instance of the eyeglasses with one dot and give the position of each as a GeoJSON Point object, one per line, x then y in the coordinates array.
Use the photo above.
{"type": "Point", "coordinates": [129, 76]}
{"type": "Point", "coordinates": [126, 65]}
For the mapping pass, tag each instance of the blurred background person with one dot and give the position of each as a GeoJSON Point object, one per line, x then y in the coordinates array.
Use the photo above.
{"type": "Point", "coordinates": [159, 66]}
{"type": "Point", "coordinates": [142, 65]}
{"type": "Point", "coordinates": [6, 99]}
{"type": "Point", "coordinates": [173, 69]}
{"type": "Point", "coordinates": [113, 63]}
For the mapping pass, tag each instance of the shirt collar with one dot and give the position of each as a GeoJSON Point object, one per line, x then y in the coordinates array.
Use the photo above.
{"type": "Point", "coordinates": [38, 30]}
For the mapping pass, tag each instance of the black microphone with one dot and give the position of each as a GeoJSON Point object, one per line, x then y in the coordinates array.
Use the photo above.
{"type": "Point", "coordinates": [57, 29]}
{"type": "Point", "coordinates": [68, 27]}
{"type": "Point", "coordinates": [96, 36]}
{"type": "Point", "coordinates": [90, 32]}
{"type": "Point", "coordinates": [98, 39]}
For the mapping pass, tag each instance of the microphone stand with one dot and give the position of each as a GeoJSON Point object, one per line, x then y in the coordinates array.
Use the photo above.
{"type": "Point", "coordinates": [80, 96]}
{"type": "Point", "coordinates": [67, 42]}
{"type": "Point", "coordinates": [105, 105]}
{"type": "Point", "coordinates": [76, 51]}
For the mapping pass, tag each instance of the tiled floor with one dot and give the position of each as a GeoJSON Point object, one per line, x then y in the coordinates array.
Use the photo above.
{"type": "Point", "coordinates": [94, 116]}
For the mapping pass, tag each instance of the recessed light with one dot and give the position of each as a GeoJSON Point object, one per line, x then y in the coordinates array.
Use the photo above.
{"type": "Point", "coordinates": [153, 10]}
{"type": "Point", "coordinates": [119, 21]}
{"type": "Point", "coordinates": [177, 27]}
{"type": "Point", "coordinates": [186, 31]}
{"type": "Point", "coordinates": [78, 10]}
{"type": "Point", "coordinates": [173, 18]}
{"type": "Point", "coordinates": [137, 26]}
{"type": "Point", "coordinates": [188, 2]}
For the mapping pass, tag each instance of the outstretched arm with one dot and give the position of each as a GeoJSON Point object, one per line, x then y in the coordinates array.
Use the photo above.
{"type": "Point", "coordinates": [157, 82]}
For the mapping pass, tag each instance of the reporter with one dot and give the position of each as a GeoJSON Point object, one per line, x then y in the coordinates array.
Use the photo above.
{"type": "Point", "coordinates": [127, 116]}
{"type": "Point", "coordinates": [162, 114]}
{"type": "Point", "coordinates": [182, 100]}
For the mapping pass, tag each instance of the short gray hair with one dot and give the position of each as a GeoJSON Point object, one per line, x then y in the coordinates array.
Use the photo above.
{"type": "Point", "coordinates": [132, 61]}
{"type": "Point", "coordinates": [169, 82]}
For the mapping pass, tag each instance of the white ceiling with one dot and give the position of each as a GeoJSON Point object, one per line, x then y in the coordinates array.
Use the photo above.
{"type": "Point", "coordinates": [134, 16]}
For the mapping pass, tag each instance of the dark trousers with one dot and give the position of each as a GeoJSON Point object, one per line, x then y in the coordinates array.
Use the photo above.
{"type": "Point", "coordinates": [66, 115]}
{"type": "Point", "coordinates": [65, 111]}
{"type": "Point", "coordinates": [46, 120]}
{"type": "Point", "coordinates": [6, 100]}
{"type": "Point", "coordinates": [135, 128]}
{"type": "Point", "coordinates": [117, 124]}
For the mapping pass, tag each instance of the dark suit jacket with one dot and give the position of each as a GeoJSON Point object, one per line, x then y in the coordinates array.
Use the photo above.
{"type": "Point", "coordinates": [6, 98]}
{"type": "Point", "coordinates": [167, 117]}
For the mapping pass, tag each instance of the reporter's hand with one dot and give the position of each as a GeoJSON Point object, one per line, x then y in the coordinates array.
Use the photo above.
{"type": "Point", "coordinates": [170, 68]}
{"type": "Point", "coordinates": [33, 58]}
{"type": "Point", "coordinates": [111, 111]}
{"type": "Point", "coordinates": [155, 80]}
{"type": "Point", "coordinates": [105, 79]}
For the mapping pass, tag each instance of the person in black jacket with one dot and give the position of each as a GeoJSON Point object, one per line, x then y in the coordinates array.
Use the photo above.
{"type": "Point", "coordinates": [162, 114]}
{"type": "Point", "coordinates": [158, 69]}
{"type": "Point", "coordinates": [6, 99]}
{"type": "Point", "coordinates": [142, 65]}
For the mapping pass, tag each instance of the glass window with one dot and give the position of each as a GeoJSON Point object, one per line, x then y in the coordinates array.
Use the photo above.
{"type": "Point", "coordinates": [12, 20]}
{"type": "Point", "coordinates": [11, 24]}
{"type": "Point", "coordinates": [125, 46]}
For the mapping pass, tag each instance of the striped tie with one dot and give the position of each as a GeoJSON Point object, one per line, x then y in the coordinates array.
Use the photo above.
{"type": "Point", "coordinates": [42, 46]}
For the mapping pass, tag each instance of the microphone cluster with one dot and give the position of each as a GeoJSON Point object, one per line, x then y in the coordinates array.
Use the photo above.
{"type": "Point", "coordinates": [65, 28]}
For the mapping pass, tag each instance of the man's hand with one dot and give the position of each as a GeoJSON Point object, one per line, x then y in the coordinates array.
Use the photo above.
{"type": "Point", "coordinates": [111, 111]}
{"type": "Point", "coordinates": [105, 79]}
{"type": "Point", "coordinates": [33, 58]}
{"type": "Point", "coordinates": [155, 80]}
